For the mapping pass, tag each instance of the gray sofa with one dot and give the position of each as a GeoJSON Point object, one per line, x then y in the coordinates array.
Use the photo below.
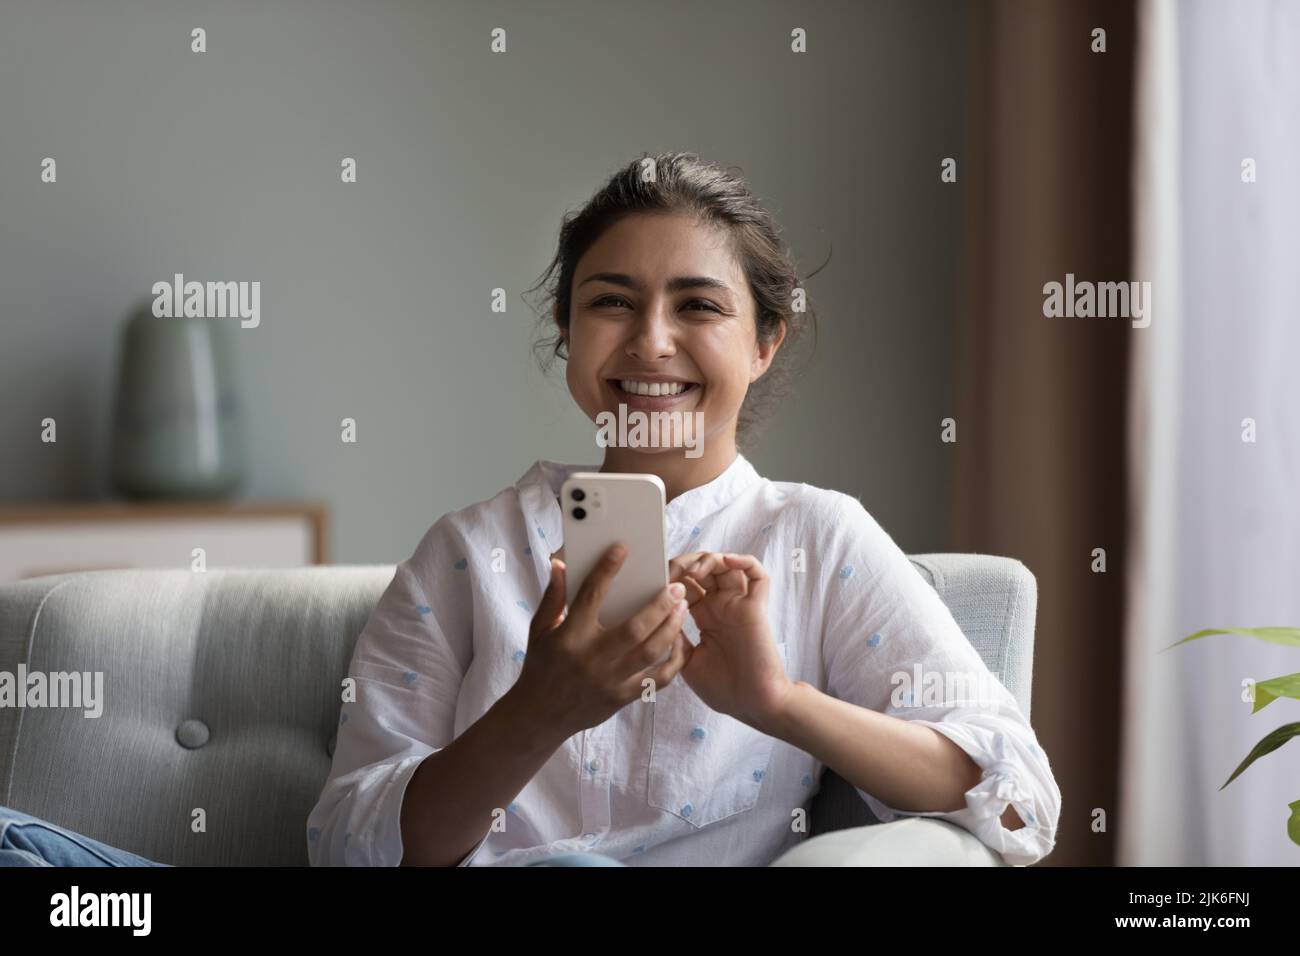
{"type": "Point", "coordinates": [222, 699]}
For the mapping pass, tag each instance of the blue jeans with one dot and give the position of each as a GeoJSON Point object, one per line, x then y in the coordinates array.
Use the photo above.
{"type": "Point", "coordinates": [28, 841]}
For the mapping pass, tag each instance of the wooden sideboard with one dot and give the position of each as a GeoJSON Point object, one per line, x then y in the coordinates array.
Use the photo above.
{"type": "Point", "coordinates": [57, 538]}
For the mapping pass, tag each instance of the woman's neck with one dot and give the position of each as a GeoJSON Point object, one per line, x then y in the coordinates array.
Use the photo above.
{"type": "Point", "coordinates": [675, 470]}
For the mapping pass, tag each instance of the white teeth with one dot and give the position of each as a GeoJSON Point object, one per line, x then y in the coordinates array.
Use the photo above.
{"type": "Point", "coordinates": [651, 388]}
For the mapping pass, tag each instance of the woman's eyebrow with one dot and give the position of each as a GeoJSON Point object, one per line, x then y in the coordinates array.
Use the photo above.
{"type": "Point", "coordinates": [676, 284]}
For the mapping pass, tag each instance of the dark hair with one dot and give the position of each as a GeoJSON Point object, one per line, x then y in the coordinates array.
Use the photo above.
{"type": "Point", "coordinates": [684, 183]}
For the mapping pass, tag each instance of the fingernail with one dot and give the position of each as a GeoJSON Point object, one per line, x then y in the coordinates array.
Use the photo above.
{"type": "Point", "coordinates": [617, 551]}
{"type": "Point", "coordinates": [680, 607]}
{"type": "Point", "coordinates": [677, 589]}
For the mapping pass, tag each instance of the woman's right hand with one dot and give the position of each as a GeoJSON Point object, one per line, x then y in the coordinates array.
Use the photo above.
{"type": "Point", "coordinates": [576, 673]}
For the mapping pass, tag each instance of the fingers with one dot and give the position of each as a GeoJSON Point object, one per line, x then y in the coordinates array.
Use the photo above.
{"type": "Point", "coordinates": [641, 625]}
{"type": "Point", "coordinates": [756, 578]}
{"type": "Point", "coordinates": [550, 610]}
{"type": "Point", "coordinates": [710, 570]}
{"type": "Point", "coordinates": [724, 571]}
{"type": "Point", "coordinates": [752, 567]}
{"type": "Point", "coordinates": [665, 672]}
{"type": "Point", "coordinates": [650, 649]}
{"type": "Point", "coordinates": [677, 566]}
{"type": "Point", "coordinates": [591, 595]}
{"type": "Point", "coordinates": [694, 591]}
{"type": "Point", "coordinates": [703, 571]}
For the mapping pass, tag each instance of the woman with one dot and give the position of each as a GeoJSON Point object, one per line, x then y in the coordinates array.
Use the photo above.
{"type": "Point", "coordinates": [482, 725]}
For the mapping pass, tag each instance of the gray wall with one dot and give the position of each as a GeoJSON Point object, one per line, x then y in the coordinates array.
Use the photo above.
{"type": "Point", "coordinates": [375, 296]}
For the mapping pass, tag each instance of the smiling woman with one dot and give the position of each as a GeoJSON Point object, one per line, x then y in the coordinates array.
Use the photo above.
{"type": "Point", "coordinates": [482, 733]}
{"type": "Point", "coordinates": [672, 214]}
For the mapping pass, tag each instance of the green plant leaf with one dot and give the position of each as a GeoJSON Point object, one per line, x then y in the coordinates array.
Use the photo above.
{"type": "Point", "coordinates": [1274, 635]}
{"type": "Point", "coordinates": [1266, 746]}
{"type": "Point", "coordinates": [1293, 825]}
{"type": "Point", "coordinates": [1267, 691]}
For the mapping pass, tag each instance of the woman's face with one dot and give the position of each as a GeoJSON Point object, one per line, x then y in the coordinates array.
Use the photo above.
{"type": "Point", "coordinates": [660, 301]}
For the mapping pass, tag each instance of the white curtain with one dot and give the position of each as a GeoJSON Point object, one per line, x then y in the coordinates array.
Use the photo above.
{"type": "Point", "coordinates": [1216, 523]}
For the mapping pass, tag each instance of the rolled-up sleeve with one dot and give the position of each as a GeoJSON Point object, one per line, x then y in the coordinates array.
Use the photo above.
{"type": "Point", "coordinates": [408, 666]}
{"type": "Point", "coordinates": [890, 644]}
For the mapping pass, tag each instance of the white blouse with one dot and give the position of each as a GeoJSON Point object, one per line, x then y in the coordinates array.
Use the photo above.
{"type": "Point", "coordinates": [670, 782]}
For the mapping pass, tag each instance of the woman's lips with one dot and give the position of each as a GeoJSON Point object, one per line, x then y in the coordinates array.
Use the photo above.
{"type": "Point", "coordinates": [653, 403]}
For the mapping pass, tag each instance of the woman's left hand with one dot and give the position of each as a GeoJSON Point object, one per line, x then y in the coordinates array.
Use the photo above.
{"type": "Point", "coordinates": [736, 668]}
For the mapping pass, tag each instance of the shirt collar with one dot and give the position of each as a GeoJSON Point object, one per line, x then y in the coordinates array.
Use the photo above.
{"type": "Point", "coordinates": [692, 507]}
{"type": "Point", "coordinates": [539, 492]}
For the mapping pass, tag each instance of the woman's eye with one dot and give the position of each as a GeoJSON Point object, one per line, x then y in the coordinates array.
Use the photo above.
{"type": "Point", "coordinates": [606, 300]}
{"type": "Point", "coordinates": [707, 305]}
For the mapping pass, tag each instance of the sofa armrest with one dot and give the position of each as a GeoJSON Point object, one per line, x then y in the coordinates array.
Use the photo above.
{"type": "Point", "coordinates": [913, 841]}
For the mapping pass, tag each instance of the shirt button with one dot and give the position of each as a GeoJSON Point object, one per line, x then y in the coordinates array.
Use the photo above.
{"type": "Point", "coordinates": [596, 765]}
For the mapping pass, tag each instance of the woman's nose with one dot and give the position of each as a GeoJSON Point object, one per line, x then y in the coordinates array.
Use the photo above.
{"type": "Point", "coordinates": [652, 336]}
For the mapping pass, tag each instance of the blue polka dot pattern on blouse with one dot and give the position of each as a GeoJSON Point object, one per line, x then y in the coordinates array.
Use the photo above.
{"type": "Point", "coordinates": [806, 781]}
{"type": "Point", "coordinates": [759, 774]}
{"type": "Point", "coordinates": [875, 640]}
{"type": "Point", "coordinates": [522, 604]}
{"type": "Point", "coordinates": [846, 572]}
{"type": "Point", "coordinates": [343, 718]}
{"type": "Point", "coordinates": [410, 677]}
{"type": "Point", "coordinates": [424, 609]}
{"type": "Point", "coordinates": [697, 733]}
{"type": "Point", "coordinates": [461, 565]}
{"type": "Point", "coordinates": [313, 834]}
{"type": "Point", "coordinates": [517, 656]}
{"type": "Point", "coordinates": [687, 810]}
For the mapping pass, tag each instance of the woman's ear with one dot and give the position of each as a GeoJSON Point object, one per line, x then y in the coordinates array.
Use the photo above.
{"type": "Point", "coordinates": [764, 353]}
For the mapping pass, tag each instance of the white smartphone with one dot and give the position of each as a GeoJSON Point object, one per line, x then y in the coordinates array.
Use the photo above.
{"type": "Point", "coordinates": [600, 509]}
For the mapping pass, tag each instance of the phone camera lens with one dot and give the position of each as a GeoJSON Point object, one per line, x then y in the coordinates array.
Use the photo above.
{"type": "Point", "coordinates": [578, 494]}
{"type": "Point", "coordinates": [579, 513]}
